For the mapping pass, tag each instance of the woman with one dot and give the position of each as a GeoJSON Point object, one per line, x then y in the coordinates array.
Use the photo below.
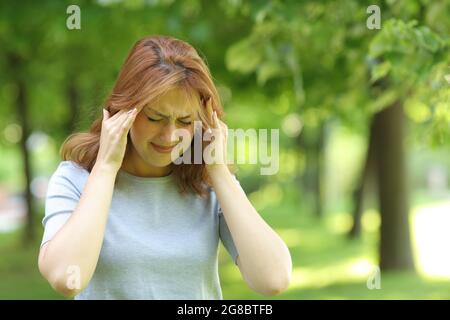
{"type": "Point", "coordinates": [123, 221]}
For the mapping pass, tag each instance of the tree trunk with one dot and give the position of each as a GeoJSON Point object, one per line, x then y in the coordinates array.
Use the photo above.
{"type": "Point", "coordinates": [22, 111]}
{"type": "Point", "coordinates": [317, 171]}
{"type": "Point", "coordinates": [311, 142]}
{"type": "Point", "coordinates": [395, 245]}
{"type": "Point", "coordinates": [358, 194]}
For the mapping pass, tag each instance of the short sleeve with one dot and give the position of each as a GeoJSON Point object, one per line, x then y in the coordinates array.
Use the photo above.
{"type": "Point", "coordinates": [225, 234]}
{"type": "Point", "coordinates": [63, 194]}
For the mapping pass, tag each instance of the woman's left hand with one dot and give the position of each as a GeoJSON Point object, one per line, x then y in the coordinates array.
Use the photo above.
{"type": "Point", "coordinates": [219, 138]}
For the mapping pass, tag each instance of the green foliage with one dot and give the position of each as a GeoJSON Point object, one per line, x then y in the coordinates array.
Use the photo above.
{"type": "Point", "coordinates": [416, 60]}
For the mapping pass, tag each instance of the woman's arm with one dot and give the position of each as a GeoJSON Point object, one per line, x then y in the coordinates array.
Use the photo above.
{"type": "Point", "coordinates": [79, 241]}
{"type": "Point", "coordinates": [76, 246]}
{"type": "Point", "coordinates": [264, 259]}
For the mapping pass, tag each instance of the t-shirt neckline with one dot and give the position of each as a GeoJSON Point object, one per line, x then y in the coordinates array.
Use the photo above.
{"type": "Point", "coordinates": [130, 177]}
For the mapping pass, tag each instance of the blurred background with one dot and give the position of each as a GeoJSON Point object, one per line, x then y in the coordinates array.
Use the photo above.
{"type": "Point", "coordinates": [362, 194]}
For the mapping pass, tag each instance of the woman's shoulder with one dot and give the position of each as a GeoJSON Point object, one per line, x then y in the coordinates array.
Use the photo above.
{"type": "Point", "coordinates": [69, 167]}
{"type": "Point", "coordinates": [70, 172]}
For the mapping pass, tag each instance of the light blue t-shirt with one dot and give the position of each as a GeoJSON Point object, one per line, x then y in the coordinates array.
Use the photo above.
{"type": "Point", "coordinates": [158, 244]}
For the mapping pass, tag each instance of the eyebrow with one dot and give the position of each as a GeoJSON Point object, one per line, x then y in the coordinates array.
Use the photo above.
{"type": "Point", "coordinates": [164, 116]}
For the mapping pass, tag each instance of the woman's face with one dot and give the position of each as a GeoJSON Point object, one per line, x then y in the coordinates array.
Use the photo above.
{"type": "Point", "coordinates": [153, 132]}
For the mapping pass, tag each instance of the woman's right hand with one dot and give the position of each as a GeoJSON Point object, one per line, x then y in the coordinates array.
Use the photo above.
{"type": "Point", "coordinates": [113, 138]}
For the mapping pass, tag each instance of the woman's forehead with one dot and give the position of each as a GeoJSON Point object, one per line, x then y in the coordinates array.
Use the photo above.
{"type": "Point", "coordinates": [175, 102]}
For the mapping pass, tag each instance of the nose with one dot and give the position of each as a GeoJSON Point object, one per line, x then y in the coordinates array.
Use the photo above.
{"type": "Point", "coordinates": [167, 134]}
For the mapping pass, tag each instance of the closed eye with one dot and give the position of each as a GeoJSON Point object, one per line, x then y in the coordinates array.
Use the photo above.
{"type": "Point", "coordinates": [185, 123]}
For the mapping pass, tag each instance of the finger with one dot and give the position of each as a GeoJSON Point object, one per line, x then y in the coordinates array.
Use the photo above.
{"type": "Point", "coordinates": [129, 123]}
{"type": "Point", "coordinates": [215, 120]}
{"type": "Point", "coordinates": [128, 117]}
{"type": "Point", "coordinates": [105, 115]}
{"type": "Point", "coordinates": [221, 123]}
{"type": "Point", "coordinates": [116, 116]}
{"type": "Point", "coordinates": [121, 118]}
{"type": "Point", "coordinates": [210, 113]}
{"type": "Point", "coordinates": [213, 123]}
{"type": "Point", "coordinates": [206, 122]}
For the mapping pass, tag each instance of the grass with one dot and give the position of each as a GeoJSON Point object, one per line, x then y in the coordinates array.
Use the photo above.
{"type": "Point", "coordinates": [328, 265]}
{"type": "Point", "coordinates": [19, 274]}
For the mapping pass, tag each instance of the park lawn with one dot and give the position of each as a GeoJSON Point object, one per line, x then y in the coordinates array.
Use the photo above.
{"type": "Point", "coordinates": [19, 274]}
{"type": "Point", "coordinates": [328, 265]}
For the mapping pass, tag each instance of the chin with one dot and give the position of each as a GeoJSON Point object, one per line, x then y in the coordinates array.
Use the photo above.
{"type": "Point", "coordinates": [158, 160]}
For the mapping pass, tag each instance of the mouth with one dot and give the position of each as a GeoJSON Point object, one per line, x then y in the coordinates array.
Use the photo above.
{"type": "Point", "coordinates": [162, 149]}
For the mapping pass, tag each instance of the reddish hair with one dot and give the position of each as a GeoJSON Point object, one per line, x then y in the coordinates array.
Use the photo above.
{"type": "Point", "coordinates": [154, 65]}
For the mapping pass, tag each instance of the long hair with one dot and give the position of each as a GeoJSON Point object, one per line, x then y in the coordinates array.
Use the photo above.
{"type": "Point", "coordinates": [154, 65]}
